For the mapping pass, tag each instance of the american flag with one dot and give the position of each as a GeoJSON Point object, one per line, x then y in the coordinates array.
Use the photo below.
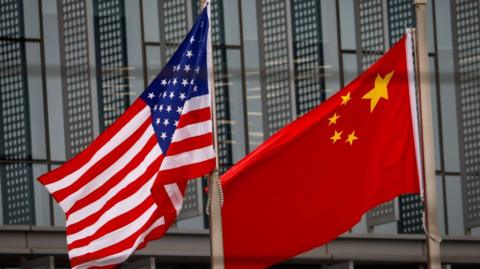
{"type": "Point", "coordinates": [162, 140]}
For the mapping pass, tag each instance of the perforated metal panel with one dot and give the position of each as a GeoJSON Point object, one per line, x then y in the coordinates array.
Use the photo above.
{"type": "Point", "coordinates": [371, 30]}
{"type": "Point", "coordinates": [192, 206]}
{"type": "Point", "coordinates": [75, 75]}
{"type": "Point", "coordinates": [466, 27]}
{"type": "Point", "coordinates": [111, 57]}
{"type": "Point", "coordinates": [308, 54]}
{"type": "Point", "coordinates": [371, 46]}
{"type": "Point", "coordinates": [384, 213]}
{"type": "Point", "coordinates": [15, 178]}
{"type": "Point", "coordinates": [173, 25]}
{"type": "Point", "coordinates": [401, 13]}
{"type": "Point", "coordinates": [274, 63]}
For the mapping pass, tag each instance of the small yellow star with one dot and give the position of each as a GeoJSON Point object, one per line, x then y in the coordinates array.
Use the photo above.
{"type": "Point", "coordinates": [351, 138]}
{"type": "Point", "coordinates": [336, 136]}
{"type": "Point", "coordinates": [333, 119]}
{"type": "Point", "coordinates": [346, 98]}
{"type": "Point", "coordinates": [380, 90]}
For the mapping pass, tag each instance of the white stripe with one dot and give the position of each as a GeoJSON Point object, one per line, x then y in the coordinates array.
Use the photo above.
{"type": "Point", "coordinates": [123, 255]}
{"type": "Point", "coordinates": [192, 130]}
{"type": "Point", "coordinates": [118, 209]}
{"type": "Point", "coordinates": [118, 138]}
{"type": "Point", "coordinates": [175, 195]}
{"type": "Point", "coordinates": [131, 177]}
{"type": "Point", "coordinates": [195, 103]}
{"type": "Point", "coordinates": [109, 172]}
{"type": "Point", "coordinates": [189, 157]}
{"type": "Point", "coordinates": [114, 237]}
{"type": "Point", "coordinates": [413, 106]}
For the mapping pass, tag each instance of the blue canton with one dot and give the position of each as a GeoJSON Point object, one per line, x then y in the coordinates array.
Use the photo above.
{"type": "Point", "coordinates": [183, 77]}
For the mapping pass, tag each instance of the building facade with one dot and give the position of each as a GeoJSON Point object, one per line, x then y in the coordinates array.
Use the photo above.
{"type": "Point", "coordinates": [69, 68]}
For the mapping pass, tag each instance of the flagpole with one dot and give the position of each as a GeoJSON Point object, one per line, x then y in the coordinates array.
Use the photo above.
{"type": "Point", "coordinates": [215, 213]}
{"type": "Point", "coordinates": [421, 51]}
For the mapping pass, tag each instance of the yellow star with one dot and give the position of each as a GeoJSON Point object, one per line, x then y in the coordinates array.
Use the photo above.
{"type": "Point", "coordinates": [346, 98]}
{"type": "Point", "coordinates": [351, 138]}
{"type": "Point", "coordinates": [379, 91]}
{"type": "Point", "coordinates": [333, 119]}
{"type": "Point", "coordinates": [336, 136]}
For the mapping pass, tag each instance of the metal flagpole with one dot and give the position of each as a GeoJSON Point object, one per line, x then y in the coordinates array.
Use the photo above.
{"type": "Point", "coordinates": [215, 194]}
{"type": "Point", "coordinates": [421, 52]}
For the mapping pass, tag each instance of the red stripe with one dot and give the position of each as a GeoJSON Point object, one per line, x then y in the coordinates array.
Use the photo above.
{"type": "Point", "coordinates": [104, 267]}
{"type": "Point", "coordinates": [120, 196]}
{"type": "Point", "coordinates": [127, 243]}
{"type": "Point", "coordinates": [83, 157]}
{"type": "Point", "coordinates": [115, 179]}
{"type": "Point", "coordinates": [189, 144]}
{"type": "Point", "coordinates": [195, 116]}
{"type": "Point", "coordinates": [186, 172]}
{"type": "Point", "coordinates": [115, 224]}
{"type": "Point", "coordinates": [103, 163]}
{"type": "Point", "coordinates": [168, 212]}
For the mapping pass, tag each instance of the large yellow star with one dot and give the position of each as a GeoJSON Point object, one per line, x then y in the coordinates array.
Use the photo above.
{"type": "Point", "coordinates": [351, 138]}
{"type": "Point", "coordinates": [379, 91]}
{"type": "Point", "coordinates": [336, 136]}
{"type": "Point", "coordinates": [346, 98]}
{"type": "Point", "coordinates": [333, 119]}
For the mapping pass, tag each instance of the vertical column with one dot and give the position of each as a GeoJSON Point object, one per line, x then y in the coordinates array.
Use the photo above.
{"type": "Point", "coordinates": [111, 58]}
{"type": "Point", "coordinates": [466, 40]}
{"type": "Point", "coordinates": [308, 54]}
{"type": "Point", "coordinates": [77, 100]}
{"type": "Point", "coordinates": [274, 64]}
{"type": "Point", "coordinates": [15, 178]}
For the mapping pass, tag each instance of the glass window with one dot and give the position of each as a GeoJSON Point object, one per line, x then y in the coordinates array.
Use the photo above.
{"type": "Point", "coordinates": [231, 22]}
{"type": "Point", "coordinates": [235, 94]}
{"type": "Point", "coordinates": [35, 101]}
{"type": "Point", "coordinates": [31, 16]}
{"type": "Point", "coordinates": [41, 197]}
{"type": "Point", "coordinates": [134, 49]}
{"type": "Point", "coordinates": [454, 205]}
{"type": "Point", "coordinates": [252, 75]}
{"type": "Point", "coordinates": [435, 118]}
{"type": "Point", "coordinates": [347, 24]}
{"type": "Point", "coordinates": [151, 21]}
{"type": "Point", "coordinates": [350, 68]}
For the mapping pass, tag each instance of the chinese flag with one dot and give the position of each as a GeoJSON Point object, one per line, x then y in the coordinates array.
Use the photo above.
{"type": "Point", "coordinates": [316, 177]}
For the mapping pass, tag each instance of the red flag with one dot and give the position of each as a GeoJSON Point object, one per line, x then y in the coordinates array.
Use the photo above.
{"type": "Point", "coordinates": [315, 178]}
